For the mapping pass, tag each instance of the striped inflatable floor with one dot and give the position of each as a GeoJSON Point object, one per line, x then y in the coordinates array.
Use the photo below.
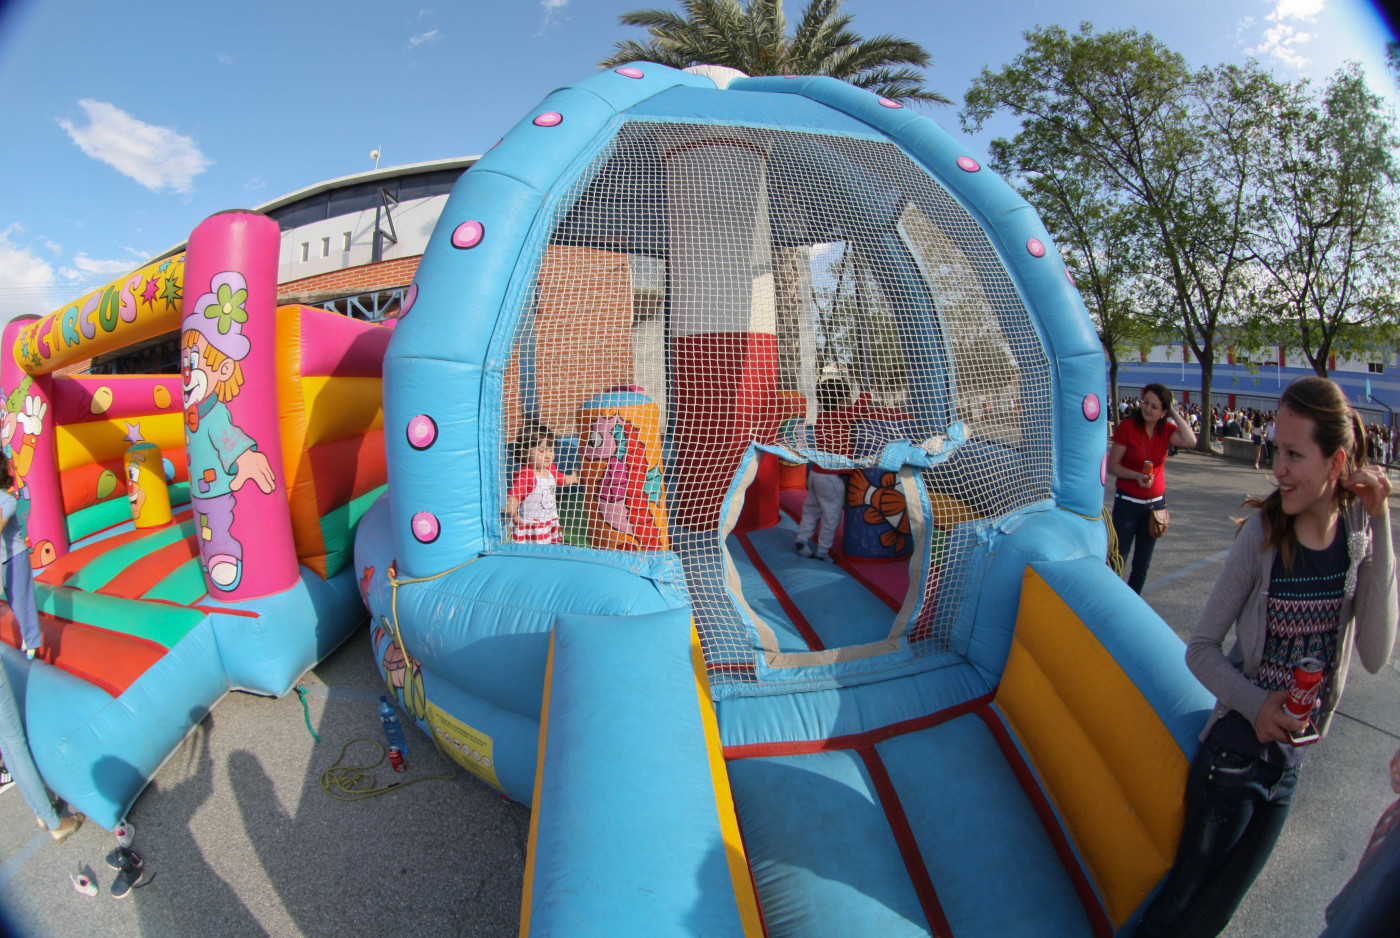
{"type": "Point", "coordinates": [116, 603]}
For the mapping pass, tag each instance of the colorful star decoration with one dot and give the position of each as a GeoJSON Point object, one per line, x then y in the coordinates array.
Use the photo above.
{"type": "Point", "coordinates": [170, 291]}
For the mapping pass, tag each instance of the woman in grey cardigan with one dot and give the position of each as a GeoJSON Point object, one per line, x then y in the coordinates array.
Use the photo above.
{"type": "Point", "coordinates": [1311, 575]}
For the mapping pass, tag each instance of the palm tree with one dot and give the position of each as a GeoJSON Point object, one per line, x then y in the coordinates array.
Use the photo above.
{"type": "Point", "coordinates": [751, 35]}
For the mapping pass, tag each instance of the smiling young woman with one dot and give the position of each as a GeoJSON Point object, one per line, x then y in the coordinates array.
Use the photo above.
{"type": "Point", "coordinates": [1310, 575]}
{"type": "Point", "coordinates": [1138, 461]}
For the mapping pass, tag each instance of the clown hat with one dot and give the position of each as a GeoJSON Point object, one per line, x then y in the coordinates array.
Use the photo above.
{"type": "Point", "coordinates": [219, 315]}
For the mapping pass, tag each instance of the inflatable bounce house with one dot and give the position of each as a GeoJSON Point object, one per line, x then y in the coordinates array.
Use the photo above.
{"type": "Point", "coordinates": [190, 533]}
{"type": "Point", "coordinates": [645, 317]}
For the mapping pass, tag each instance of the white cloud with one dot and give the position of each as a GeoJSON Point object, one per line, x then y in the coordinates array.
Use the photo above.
{"type": "Point", "coordinates": [553, 13]}
{"type": "Point", "coordinates": [1286, 39]}
{"type": "Point", "coordinates": [1296, 9]}
{"type": "Point", "coordinates": [93, 269]}
{"type": "Point", "coordinates": [26, 279]}
{"type": "Point", "coordinates": [156, 157]}
{"type": "Point", "coordinates": [254, 184]}
{"type": "Point", "coordinates": [55, 248]}
{"type": "Point", "coordinates": [415, 41]}
{"type": "Point", "coordinates": [224, 58]}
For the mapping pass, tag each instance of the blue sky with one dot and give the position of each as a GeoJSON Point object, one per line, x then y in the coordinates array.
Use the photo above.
{"type": "Point", "coordinates": [124, 125]}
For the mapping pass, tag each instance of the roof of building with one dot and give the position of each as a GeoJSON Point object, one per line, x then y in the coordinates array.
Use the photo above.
{"type": "Point", "coordinates": [460, 163]}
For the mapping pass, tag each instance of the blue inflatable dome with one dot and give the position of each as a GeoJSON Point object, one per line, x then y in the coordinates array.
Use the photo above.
{"type": "Point", "coordinates": [601, 409]}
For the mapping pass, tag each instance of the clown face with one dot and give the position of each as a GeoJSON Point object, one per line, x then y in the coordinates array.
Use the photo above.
{"type": "Point", "coordinates": [198, 378]}
{"type": "Point", "coordinates": [135, 494]}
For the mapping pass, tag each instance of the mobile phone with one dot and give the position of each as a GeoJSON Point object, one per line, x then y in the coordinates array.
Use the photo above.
{"type": "Point", "coordinates": [1307, 734]}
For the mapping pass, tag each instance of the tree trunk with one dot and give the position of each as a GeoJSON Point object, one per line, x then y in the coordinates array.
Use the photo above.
{"type": "Point", "coordinates": [1203, 439]}
{"type": "Point", "coordinates": [1112, 387]}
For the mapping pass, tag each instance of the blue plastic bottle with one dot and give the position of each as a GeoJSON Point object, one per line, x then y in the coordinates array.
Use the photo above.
{"type": "Point", "coordinates": [393, 731]}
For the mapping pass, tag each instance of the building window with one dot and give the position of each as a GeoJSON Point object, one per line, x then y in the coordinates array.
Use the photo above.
{"type": "Point", "coordinates": [326, 247]}
{"type": "Point", "coordinates": [346, 247]}
{"type": "Point", "coordinates": [1376, 368]}
{"type": "Point", "coordinates": [305, 251]}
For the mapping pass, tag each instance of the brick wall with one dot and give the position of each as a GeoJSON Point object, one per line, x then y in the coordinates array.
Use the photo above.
{"type": "Point", "coordinates": [582, 332]}
{"type": "Point", "coordinates": [366, 278]}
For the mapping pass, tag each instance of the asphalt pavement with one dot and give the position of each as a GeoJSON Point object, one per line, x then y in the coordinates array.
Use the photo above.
{"type": "Point", "coordinates": [243, 841]}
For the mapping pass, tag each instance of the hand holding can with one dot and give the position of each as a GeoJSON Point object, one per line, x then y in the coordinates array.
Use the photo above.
{"type": "Point", "coordinates": [1307, 681]}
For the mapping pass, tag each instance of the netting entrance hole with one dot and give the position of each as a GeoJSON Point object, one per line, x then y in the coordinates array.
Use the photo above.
{"type": "Point", "coordinates": [699, 283]}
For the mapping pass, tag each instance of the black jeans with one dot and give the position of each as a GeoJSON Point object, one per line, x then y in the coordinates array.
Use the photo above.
{"type": "Point", "coordinates": [1130, 525]}
{"type": "Point", "coordinates": [1235, 810]}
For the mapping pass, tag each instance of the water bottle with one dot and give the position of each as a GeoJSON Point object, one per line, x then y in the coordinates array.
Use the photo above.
{"type": "Point", "coordinates": [393, 731]}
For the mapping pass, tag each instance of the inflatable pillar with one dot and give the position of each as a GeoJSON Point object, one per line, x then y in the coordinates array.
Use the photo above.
{"type": "Point", "coordinates": [146, 486]}
{"type": "Point", "coordinates": [227, 356]}
{"type": "Point", "coordinates": [27, 435]}
{"type": "Point", "coordinates": [621, 472]}
{"type": "Point", "coordinates": [723, 317]}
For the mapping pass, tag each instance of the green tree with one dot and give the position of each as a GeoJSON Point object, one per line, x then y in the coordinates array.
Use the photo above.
{"type": "Point", "coordinates": [1330, 237]}
{"type": "Point", "coordinates": [752, 36]}
{"type": "Point", "coordinates": [1100, 236]}
{"type": "Point", "coordinates": [1163, 144]}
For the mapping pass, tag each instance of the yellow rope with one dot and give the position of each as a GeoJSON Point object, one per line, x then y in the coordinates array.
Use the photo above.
{"type": "Point", "coordinates": [1115, 559]}
{"type": "Point", "coordinates": [353, 782]}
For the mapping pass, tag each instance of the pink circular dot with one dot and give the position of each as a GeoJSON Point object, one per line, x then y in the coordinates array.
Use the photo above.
{"type": "Point", "coordinates": [789, 76]}
{"type": "Point", "coordinates": [549, 119]}
{"type": "Point", "coordinates": [1035, 247]}
{"type": "Point", "coordinates": [425, 527]}
{"type": "Point", "coordinates": [629, 72]}
{"type": "Point", "coordinates": [409, 299]}
{"type": "Point", "coordinates": [1103, 470]}
{"type": "Point", "coordinates": [888, 103]}
{"type": "Point", "coordinates": [1091, 406]}
{"type": "Point", "coordinates": [1071, 278]}
{"type": "Point", "coordinates": [468, 234]}
{"type": "Point", "coordinates": [968, 165]}
{"type": "Point", "coordinates": [422, 432]}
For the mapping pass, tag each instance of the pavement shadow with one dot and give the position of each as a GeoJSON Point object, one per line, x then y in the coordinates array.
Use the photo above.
{"type": "Point", "coordinates": [446, 856]}
{"type": "Point", "coordinates": [191, 895]}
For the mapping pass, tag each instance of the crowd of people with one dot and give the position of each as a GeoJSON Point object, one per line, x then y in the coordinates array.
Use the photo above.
{"type": "Point", "coordinates": [1258, 426]}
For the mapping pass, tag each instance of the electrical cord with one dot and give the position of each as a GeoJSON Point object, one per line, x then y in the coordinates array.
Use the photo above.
{"type": "Point", "coordinates": [354, 782]}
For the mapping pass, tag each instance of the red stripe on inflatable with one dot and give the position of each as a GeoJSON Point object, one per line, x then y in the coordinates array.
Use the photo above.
{"type": "Point", "coordinates": [845, 564]}
{"type": "Point", "coordinates": [346, 469]}
{"type": "Point", "coordinates": [907, 843]}
{"type": "Point", "coordinates": [852, 569]}
{"type": "Point", "coordinates": [145, 573]}
{"type": "Point", "coordinates": [1098, 918]}
{"type": "Point", "coordinates": [799, 621]}
{"type": "Point", "coordinates": [856, 740]}
{"type": "Point", "coordinates": [58, 572]}
{"type": "Point", "coordinates": [111, 660]}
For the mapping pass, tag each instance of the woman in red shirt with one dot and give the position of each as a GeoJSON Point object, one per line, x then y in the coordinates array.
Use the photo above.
{"type": "Point", "coordinates": [1143, 438]}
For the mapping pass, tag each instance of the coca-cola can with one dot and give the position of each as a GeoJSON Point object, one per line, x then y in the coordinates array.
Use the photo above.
{"type": "Point", "coordinates": [396, 758]}
{"type": "Point", "coordinates": [1307, 680]}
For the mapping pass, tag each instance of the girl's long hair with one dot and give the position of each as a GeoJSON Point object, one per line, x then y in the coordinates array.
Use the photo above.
{"type": "Point", "coordinates": [1336, 426]}
{"type": "Point", "coordinates": [7, 475]}
{"type": "Point", "coordinates": [1164, 394]}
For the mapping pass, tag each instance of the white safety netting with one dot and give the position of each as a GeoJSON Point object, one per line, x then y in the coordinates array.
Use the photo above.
{"type": "Point", "coordinates": [705, 280]}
